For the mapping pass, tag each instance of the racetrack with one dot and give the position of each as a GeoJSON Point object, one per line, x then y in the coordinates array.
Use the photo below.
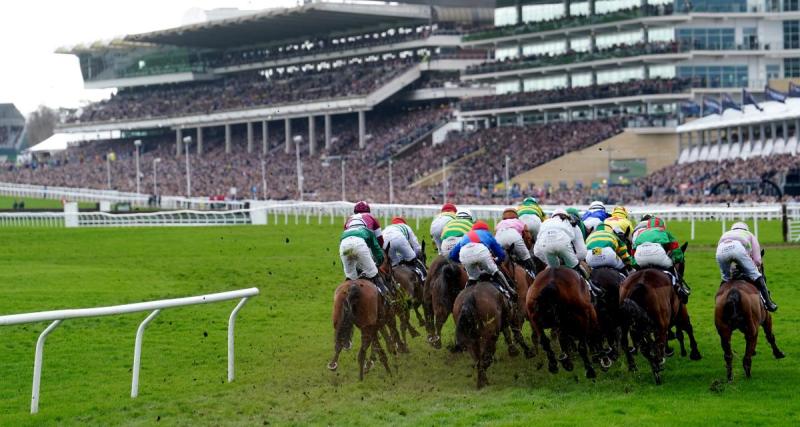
{"type": "Point", "coordinates": [284, 340]}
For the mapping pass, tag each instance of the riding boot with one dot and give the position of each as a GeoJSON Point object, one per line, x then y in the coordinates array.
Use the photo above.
{"type": "Point", "coordinates": [761, 284]}
{"type": "Point", "coordinates": [382, 287]}
{"type": "Point", "coordinates": [509, 292]}
{"type": "Point", "coordinates": [593, 289]}
{"type": "Point", "coordinates": [421, 268]}
{"type": "Point", "coordinates": [529, 267]}
{"type": "Point", "coordinates": [681, 288]}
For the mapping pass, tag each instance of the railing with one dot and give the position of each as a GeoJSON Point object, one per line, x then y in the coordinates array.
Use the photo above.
{"type": "Point", "coordinates": [58, 316]}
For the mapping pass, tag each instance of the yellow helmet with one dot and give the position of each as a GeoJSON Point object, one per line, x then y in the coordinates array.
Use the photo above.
{"type": "Point", "coordinates": [620, 212]}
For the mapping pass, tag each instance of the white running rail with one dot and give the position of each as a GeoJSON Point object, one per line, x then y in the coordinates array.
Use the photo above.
{"type": "Point", "coordinates": [155, 307]}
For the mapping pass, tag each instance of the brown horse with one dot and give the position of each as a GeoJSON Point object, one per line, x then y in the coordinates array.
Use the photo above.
{"type": "Point", "coordinates": [607, 306]}
{"type": "Point", "coordinates": [445, 282]}
{"type": "Point", "coordinates": [479, 316]}
{"type": "Point", "coordinates": [521, 281]}
{"type": "Point", "coordinates": [650, 307]}
{"type": "Point", "coordinates": [559, 300]}
{"type": "Point", "coordinates": [358, 303]}
{"type": "Point", "coordinates": [739, 307]}
{"type": "Point", "coordinates": [411, 287]}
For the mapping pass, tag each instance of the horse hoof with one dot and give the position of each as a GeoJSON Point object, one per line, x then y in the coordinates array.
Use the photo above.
{"type": "Point", "coordinates": [669, 352]}
{"type": "Point", "coordinates": [332, 366]}
{"type": "Point", "coordinates": [657, 378]}
{"type": "Point", "coordinates": [778, 354]}
{"type": "Point", "coordinates": [695, 355]}
{"type": "Point", "coordinates": [591, 374]}
{"type": "Point", "coordinates": [349, 345]}
{"type": "Point", "coordinates": [605, 363]}
{"type": "Point", "coordinates": [513, 351]}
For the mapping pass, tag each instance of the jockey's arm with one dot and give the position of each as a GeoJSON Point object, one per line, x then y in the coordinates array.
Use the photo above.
{"type": "Point", "coordinates": [578, 243]}
{"type": "Point", "coordinates": [497, 250]}
{"type": "Point", "coordinates": [375, 247]}
{"type": "Point", "coordinates": [412, 239]}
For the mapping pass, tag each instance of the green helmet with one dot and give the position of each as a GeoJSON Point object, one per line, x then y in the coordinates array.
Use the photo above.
{"type": "Point", "coordinates": [530, 201]}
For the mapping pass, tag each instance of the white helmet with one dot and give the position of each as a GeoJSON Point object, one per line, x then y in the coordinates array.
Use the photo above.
{"type": "Point", "coordinates": [740, 226]}
{"type": "Point", "coordinates": [356, 222]}
{"type": "Point", "coordinates": [597, 205]}
{"type": "Point", "coordinates": [560, 211]}
{"type": "Point", "coordinates": [465, 214]}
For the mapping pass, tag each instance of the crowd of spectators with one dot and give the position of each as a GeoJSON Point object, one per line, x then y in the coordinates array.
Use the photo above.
{"type": "Point", "coordinates": [580, 93]}
{"type": "Point", "coordinates": [571, 56]}
{"type": "Point", "coordinates": [243, 90]}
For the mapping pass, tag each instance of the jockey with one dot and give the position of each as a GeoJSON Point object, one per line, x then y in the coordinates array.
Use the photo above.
{"type": "Point", "coordinates": [657, 248]}
{"type": "Point", "coordinates": [594, 215]}
{"type": "Point", "coordinates": [476, 251]}
{"type": "Point", "coordinates": [560, 242]}
{"type": "Point", "coordinates": [741, 247]}
{"type": "Point", "coordinates": [620, 223]}
{"type": "Point", "coordinates": [606, 249]}
{"type": "Point", "coordinates": [361, 211]}
{"type": "Point", "coordinates": [531, 214]}
{"type": "Point", "coordinates": [576, 217]}
{"type": "Point", "coordinates": [510, 233]}
{"type": "Point", "coordinates": [437, 226]}
{"type": "Point", "coordinates": [403, 245]}
{"type": "Point", "coordinates": [361, 253]}
{"type": "Point", "coordinates": [644, 224]}
{"type": "Point", "coordinates": [454, 230]}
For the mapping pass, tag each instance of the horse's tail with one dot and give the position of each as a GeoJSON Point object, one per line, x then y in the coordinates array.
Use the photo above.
{"type": "Point", "coordinates": [548, 296]}
{"type": "Point", "coordinates": [731, 313]}
{"type": "Point", "coordinates": [632, 309]}
{"type": "Point", "coordinates": [449, 274]}
{"type": "Point", "coordinates": [468, 323]}
{"type": "Point", "coordinates": [348, 318]}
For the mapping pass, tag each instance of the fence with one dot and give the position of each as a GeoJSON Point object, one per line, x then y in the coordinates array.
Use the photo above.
{"type": "Point", "coordinates": [56, 317]}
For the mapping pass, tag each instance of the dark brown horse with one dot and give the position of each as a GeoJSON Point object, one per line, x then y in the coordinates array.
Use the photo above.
{"type": "Point", "coordinates": [559, 300]}
{"type": "Point", "coordinates": [739, 307]}
{"type": "Point", "coordinates": [479, 316]}
{"type": "Point", "coordinates": [650, 307]}
{"type": "Point", "coordinates": [446, 279]}
{"type": "Point", "coordinates": [607, 307]}
{"type": "Point", "coordinates": [411, 287]}
{"type": "Point", "coordinates": [358, 303]}
{"type": "Point", "coordinates": [516, 320]}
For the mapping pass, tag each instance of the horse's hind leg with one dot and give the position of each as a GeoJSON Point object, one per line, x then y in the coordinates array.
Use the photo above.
{"type": "Point", "coordinates": [685, 324]}
{"type": "Point", "coordinates": [552, 364]}
{"type": "Point", "coordinates": [391, 325]}
{"type": "Point", "coordinates": [679, 338]}
{"type": "Point", "coordinates": [337, 348]}
{"type": "Point", "coordinates": [376, 347]}
{"type": "Point", "coordinates": [487, 347]}
{"type": "Point", "coordinates": [583, 350]}
{"type": "Point", "coordinates": [751, 337]}
{"type": "Point", "coordinates": [725, 342]}
{"type": "Point", "coordinates": [420, 319]}
{"type": "Point", "coordinates": [566, 344]}
{"type": "Point", "coordinates": [512, 349]}
{"type": "Point", "coordinates": [367, 336]}
{"type": "Point", "coordinates": [771, 337]}
{"type": "Point", "coordinates": [627, 349]}
{"type": "Point", "coordinates": [441, 318]}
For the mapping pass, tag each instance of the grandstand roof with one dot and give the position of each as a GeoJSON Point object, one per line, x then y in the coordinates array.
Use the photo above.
{"type": "Point", "coordinates": [287, 23]}
{"type": "Point", "coordinates": [772, 111]}
{"type": "Point", "coordinates": [10, 114]}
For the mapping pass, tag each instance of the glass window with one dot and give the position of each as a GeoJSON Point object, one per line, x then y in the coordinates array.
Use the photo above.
{"type": "Point", "coordinates": [506, 52]}
{"type": "Point", "coordinates": [662, 71]}
{"type": "Point", "coordinates": [791, 5]}
{"type": "Point", "coordinates": [791, 34]}
{"type": "Point", "coordinates": [545, 83]}
{"type": "Point", "coordinates": [773, 71]}
{"type": "Point", "coordinates": [607, 6]}
{"type": "Point", "coordinates": [582, 79]}
{"type": "Point", "coordinates": [510, 86]}
{"type": "Point", "coordinates": [750, 37]}
{"type": "Point", "coordinates": [716, 76]}
{"type": "Point", "coordinates": [505, 16]}
{"type": "Point", "coordinates": [791, 68]}
{"type": "Point", "coordinates": [620, 75]}
{"type": "Point", "coordinates": [580, 44]}
{"type": "Point", "coordinates": [624, 38]}
{"type": "Point", "coordinates": [545, 48]}
{"type": "Point", "coordinates": [661, 34]}
{"type": "Point", "coordinates": [542, 12]}
{"type": "Point", "coordinates": [579, 9]}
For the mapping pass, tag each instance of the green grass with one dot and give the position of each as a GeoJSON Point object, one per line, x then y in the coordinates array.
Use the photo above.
{"type": "Point", "coordinates": [7, 202]}
{"type": "Point", "coordinates": [284, 340]}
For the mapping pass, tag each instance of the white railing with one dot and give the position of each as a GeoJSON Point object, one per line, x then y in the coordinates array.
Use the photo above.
{"type": "Point", "coordinates": [57, 316]}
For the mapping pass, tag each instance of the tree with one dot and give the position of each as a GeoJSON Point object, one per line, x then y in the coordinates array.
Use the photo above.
{"type": "Point", "coordinates": [40, 124]}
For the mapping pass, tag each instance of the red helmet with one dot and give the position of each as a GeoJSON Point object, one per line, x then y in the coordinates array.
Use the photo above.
{"type": "Point", "coordinates": [449, 207]}
{"type": "Point", "coordinates": [480, 225]}
{"type": "Point", "coordinates": [398, 220]}
{"type": "Point", "coordinates": [361, 207]}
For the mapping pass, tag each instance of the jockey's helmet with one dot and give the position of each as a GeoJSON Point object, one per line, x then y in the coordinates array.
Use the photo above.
{"type": "Point", "coordinates": [597, 205]}
{"type": "Point", "coordinates": [480, 225]}
{"type": "Point", "coordinates": [398, 220]}
{"type": "Point", "coordinates": [530, 201]}
{"type": "Point", "coordinates": [465, 214]}
{"type": "Point", "coordinates": [510, 213]}
{"type": "Point", "coordinates": [620, 212]}
{"type": "Point", "coordinates": [560, 211]}
{"type": "Point", "coordinates": [449, 207]}
{"type": "Point", "coordinates": [740, 226]}
{"type": "Point", "coordinates": [361, 207]}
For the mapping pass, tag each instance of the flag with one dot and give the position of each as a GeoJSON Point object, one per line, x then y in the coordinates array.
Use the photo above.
{"type": "Point", "coordinates": [690, 108]}
{"type": "Point", "coordinates": [774, 95]}
{"type": "Point", "coordinates": [729, 103]}
{"type": "Point", "coordinates": [748, 98]}
{"type": "Point", "coordinates": [711, 106]}
{"type": "Point", "coordinates": [794, 90]}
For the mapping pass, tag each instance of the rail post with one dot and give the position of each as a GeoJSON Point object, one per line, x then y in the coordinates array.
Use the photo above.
{"type": "Point", "coordinates": [37, 365]}
{"type": "Point", "coordinates": [231, 324]}
{"type": "Point", "coordinates": [137, 352]}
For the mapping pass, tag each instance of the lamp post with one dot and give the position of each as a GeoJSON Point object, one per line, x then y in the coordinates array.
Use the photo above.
{"type": "Point", "coordinates": [156, 161]}
{"type": "Point", "coordinates": [264, 177]}
{"type": "Point", "coordinates": [186, 142]}
{"type": "Point", "coordinates": [444, 180]}
{"type": "Point", "coordinates": [297, 141]}
{"type": "Point", "coordinates": [391, 183]}
{"type": "Point", "coordinates": [138, 144]}
{"type": "Point", "coordinates": [326, 162]}
{"type": "Point", "coordinates": [508, 189]}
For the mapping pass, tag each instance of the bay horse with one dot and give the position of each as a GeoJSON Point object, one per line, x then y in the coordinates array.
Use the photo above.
{"type": "Point", "coordinates": [560, 301]}
{"type": "Point", "coordinates": [411, 286]}
{"type": "Point", "coordinates": [516, 319]}
{"type": "Point", "coordinates": [479, 316]}
{"type": "Point", "coordinates": [445, 283]}
{"type": "Point", "coordinates": [358, 303]}
{"type": "Point", "coordinates": [739, 307]}
{"type": "Point", "coordinates": [650, 307]}
{"type": "Point", "coordinates": [607, 306]}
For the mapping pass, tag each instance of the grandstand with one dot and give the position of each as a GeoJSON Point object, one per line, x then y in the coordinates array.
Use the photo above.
{"type": "Point", "coordinates": [12, 132]}
{"type": "Point", "coordinates": [446, 90]}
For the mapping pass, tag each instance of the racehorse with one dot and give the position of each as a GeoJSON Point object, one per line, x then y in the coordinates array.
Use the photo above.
{"type": "Point", "coordinates": [521, 281]}
{"type": "Point", "coordinates": [445, 282]}
{"type": "Point", "coordinates": [560, 301]}
{"type": "Point", "coordinates": [358, 303]}
{"type": "Point", "coordinates": [650, 307]}
{"type": "Point", "coordinates": [739, 306]}
{"type": "Point", "coordinates": [479, 316]}
{"type": "Point", "coordinates": [411, 286]}
{"type": "Point", "coordinates": [607, 306]}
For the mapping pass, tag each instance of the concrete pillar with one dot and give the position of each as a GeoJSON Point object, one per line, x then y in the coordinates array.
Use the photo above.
{"type": "Point", "coordinates": [774, 130]}
{"type": "Point", "coordinates": [645, 31]}
{"type": "Point", "coordinates": [785, 130]}
{"type": "Point", "coordinates": [646, 71]}
{"type": "Point", "coordinates": [287, 126]}
{"type": "Point", "coordinates": [227, 138]}
{"type": "Point", "coordinates": [264, 137]}
{"type": "Point", "coordinates": [249, 137]}
{"type": "Point", "coordinates": [519, 12]}
{"type": "Point", "coordinates": [312, 137]}
{"type": "Point", "coordinates": [567, 4]}
{"type": "Point", "coordinates": [592, 41]}
{"type": "Point", "coordinates": [327, 132]}
{"type": "Point", "coordinates": [199, 141]}
{"type": "Point", "coordinates": [591, 8]}
{"type": "Point", "coordinates": [762, 132]}
{"type": "Point", "coordinates": [362, 130]}
{"type": "Point", "coordinates": [719, 137]}
{"type": "Point", "coordinates": [749, 133]}
{"type": "Point", "coordinates": [178, 141]}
